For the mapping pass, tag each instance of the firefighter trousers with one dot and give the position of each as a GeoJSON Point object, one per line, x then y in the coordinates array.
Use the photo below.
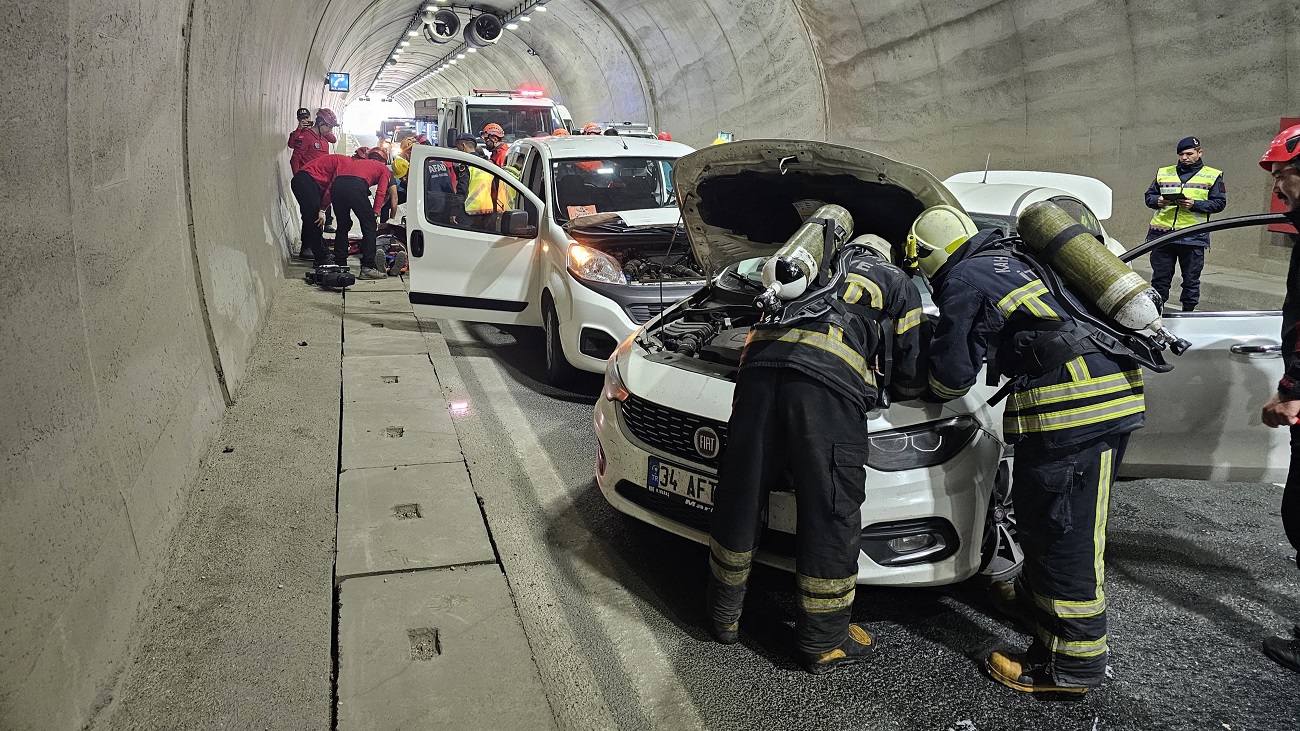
{"type": "Point", "coordinates": [784, 422]}
{"type": "Point", "coordinates": [1062, 498]}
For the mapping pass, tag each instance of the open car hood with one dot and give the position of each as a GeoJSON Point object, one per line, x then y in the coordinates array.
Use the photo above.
{"type": "Point", "coordinates": [745, 199]}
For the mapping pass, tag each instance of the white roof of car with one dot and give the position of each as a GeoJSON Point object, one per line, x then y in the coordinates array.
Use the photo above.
{"type": "Point", "coordinates": [1015, 183]}
{"type": "Point", "coordinates": [608, 146]}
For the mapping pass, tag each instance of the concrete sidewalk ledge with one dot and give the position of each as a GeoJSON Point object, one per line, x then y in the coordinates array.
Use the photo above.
{"type": "Point", "coordinates": [436, 650]}
{"type": "Point", "coordinates": [404, 518]}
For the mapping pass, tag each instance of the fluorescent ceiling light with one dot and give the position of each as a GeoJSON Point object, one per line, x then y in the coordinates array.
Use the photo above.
{"type": "Point", "coordinates": [525, 18]}
{"type": "Point", "coordinates": [413, 33]}
{"type": "Point", "coordinates": [512, 26]}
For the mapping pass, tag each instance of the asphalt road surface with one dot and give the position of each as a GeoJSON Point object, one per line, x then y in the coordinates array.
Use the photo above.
{"type": "Point", "coordinates": [1197, 574]}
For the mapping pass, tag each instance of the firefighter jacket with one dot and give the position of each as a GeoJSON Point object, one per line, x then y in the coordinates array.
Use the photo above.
{"type": "Point", "coordinates": [1289, 387]}
{"type": "Point", "coordinates": [996, 302]}
{"type": "Point", "coordinates": [1202, 184]}
{"type": "Point", "coordinates": [875, 312]}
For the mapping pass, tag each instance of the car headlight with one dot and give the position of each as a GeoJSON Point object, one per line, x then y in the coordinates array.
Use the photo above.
{"type": "Point", "coordinates": [594, 266]}
{"type": "Point", "coordinates": [614, 389]}
{"type": "Point", "coordinates": [924, 445]}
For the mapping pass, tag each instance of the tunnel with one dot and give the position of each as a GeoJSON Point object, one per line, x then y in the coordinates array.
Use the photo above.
{"type": "Point", "coordinates": [150, 219]}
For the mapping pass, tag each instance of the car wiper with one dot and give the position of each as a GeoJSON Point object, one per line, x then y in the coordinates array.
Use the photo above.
{"type": "Point", "coordinates": [742, 280]}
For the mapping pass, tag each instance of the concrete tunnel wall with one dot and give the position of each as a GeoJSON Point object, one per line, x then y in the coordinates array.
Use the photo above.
{"type": "Point", "coordinates": [150, 237]}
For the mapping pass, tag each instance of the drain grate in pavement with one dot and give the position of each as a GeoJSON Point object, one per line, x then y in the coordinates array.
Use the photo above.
{"type": "Point", "coordinates": [426, 643]}
{"type": "Point", "coordinates": [390, 379]}
{"type": "Point", "coordinates": [376, 324]}
{"type": "Point", "coordinates": [394, 432]}
{"type": "Point", "coordinates": [409, 511]}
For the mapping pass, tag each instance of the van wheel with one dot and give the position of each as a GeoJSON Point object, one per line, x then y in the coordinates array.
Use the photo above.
{"type": "Point", "coordinates": [559, 371]}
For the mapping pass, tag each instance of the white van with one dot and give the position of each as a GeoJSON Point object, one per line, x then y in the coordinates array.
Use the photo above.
{"type": "Point", "coordinates": [588, 244]}
{"type": "Point", "coordinates": [522, 113]}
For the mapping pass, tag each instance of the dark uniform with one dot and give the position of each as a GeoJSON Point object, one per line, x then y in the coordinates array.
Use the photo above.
{"type": "Point", "coordinates": [801, 402]}
{"type": "Point", "coordinates": [1069, 424]}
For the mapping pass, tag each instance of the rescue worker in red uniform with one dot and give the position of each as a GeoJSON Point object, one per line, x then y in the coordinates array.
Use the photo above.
{"type": "Point", "coordinates": [802, 395]}
{"type": "Point", "coordinates": [494, 139]}
{"type": "Point", "coordinates": [311, 186]}
{"type": "Point", "coordinates": [311, 141]}
{"type": "Point", "coordinates": [1282, 161]}
{"type": "Point", "coordinates": [350, 193]}
{"type": "Point", "coordinates": [1069, 414]}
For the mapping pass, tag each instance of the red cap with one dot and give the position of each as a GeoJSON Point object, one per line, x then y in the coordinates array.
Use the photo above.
{"type": "Point", "coordinates": [1284, 148]}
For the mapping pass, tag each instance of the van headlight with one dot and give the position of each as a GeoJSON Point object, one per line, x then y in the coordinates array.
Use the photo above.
{"type": "Point", "coordinates": [924, 445]}
{"type": "Point", "coordinates": [594, 265]}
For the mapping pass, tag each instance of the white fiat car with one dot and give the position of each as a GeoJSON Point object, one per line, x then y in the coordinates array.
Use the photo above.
{"type": "Point", "coordinates": [938, 504]}
{"type": "Point", "coordinates": [589, 247]}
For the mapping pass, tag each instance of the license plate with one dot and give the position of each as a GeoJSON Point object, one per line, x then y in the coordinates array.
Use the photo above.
{"type": "Point", "coordinates": [665, 478]}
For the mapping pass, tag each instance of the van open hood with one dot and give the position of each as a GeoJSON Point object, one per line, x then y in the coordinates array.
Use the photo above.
{"type": "Point", "coordinates": [744, 199]}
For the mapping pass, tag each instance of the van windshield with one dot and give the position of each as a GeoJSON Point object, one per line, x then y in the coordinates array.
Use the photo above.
{"type": "Point", "coordinates": [518, 122]}
{"type": "Point", "coordinates": [594, 185]}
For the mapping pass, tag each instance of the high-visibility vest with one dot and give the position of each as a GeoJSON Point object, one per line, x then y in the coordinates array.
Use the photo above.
{"type": "Point", "coordinates": [1197, 188]}
{"type": "Point", "coordinates": [479, 198]}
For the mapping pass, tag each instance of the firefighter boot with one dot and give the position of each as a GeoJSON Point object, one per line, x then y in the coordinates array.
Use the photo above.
{"type": "Point", "coordinates": [857, 647]}
{"type": "Point", "coordinates": [1014, 670]}
{"type": "Point", "coordinates": [724, 605]}
{"type": "Point", "coordinates": [1283, 651]}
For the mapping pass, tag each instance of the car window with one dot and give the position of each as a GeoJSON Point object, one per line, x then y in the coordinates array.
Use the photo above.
{"type": "Point", "coordinates": [533, 176]}
{"type": "Point", "coordinates": [595, 185]}
{"type": "Point", "coordinates": [469, 197]}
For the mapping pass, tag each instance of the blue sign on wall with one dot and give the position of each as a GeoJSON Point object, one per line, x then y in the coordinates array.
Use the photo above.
{"type": "Point", "coordinates": [338, 81]}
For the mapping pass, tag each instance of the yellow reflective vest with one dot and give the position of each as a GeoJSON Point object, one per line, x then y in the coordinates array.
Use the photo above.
{"type": "Point", "coordinates": [479, 198]}
{"type": "Point", "coordinates": [1197, 188]}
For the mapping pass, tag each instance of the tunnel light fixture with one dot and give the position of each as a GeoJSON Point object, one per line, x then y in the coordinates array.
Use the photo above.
{"type": "Point", "coordinates": [526, 18]}
{"type": "Point", "coordinates": [405, 44]}
{"type": "Point", "coordinates": [512, 26]}
{"type": "Point", "coordinates": [540, 8]}
{"type": "Point", "coordinates": [472, 50]}
{"type": "Point", "coordinates": [460, 55]}
{"type": "Point", "coordinates": [452, 62]}
{"type": "Point", "coordinates": [412, 33]}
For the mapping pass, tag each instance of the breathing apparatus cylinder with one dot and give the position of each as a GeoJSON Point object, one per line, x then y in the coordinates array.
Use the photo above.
{"type": "Point", "coordinates": [1094, 272]}
{"type": "Point", "coordinates": [788, 272]}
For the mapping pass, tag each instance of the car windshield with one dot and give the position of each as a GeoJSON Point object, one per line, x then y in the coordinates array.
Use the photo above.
{"type": "Point", "coordinates": [595, 185]}
{"type": "Point", "coordinates": [517, 121]}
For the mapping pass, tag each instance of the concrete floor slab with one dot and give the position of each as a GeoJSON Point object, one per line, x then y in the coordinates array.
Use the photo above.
{"type": "Point", "coordinates": [436, 650]}
{"type": "Point", "coordinates": [389, 378]}
{"type": "Point", "coordinates": [403, 518]}
{"type": "Point", "coordinates": [385, 333]}
{"type": "Point", "coordinates": [392, 434]}
{"type": "Point", "coordinates": [378, 301]}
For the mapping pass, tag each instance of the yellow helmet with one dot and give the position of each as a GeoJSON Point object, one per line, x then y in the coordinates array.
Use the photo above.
{"type": "Point", "coordinates": [936, 235]}
{"type": "Point", "coordinates": [877, 244]}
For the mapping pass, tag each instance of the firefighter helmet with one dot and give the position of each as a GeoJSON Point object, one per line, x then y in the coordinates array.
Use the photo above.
{"type": "Point", "coordinates": [937, 234]}
{"type": "Point", "coordinates": [494, 129]}
{"type": "Point", "coordinates": [325, 116]}
{"type": "Point", "coordinates": [877, 244]}
{"type": "Point", "coordinates": [1284, 148]}
{"type": "Point", "coordinates": [361, 153]}
{"type": "Point", "coordinates": [665, 137]}
{"type": "Point", "coordinates": [591, 128]}
{"type": "Point", "coordinates": [560, 131]}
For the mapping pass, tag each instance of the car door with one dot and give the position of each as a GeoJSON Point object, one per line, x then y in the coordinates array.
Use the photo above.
{"type": "Point", "coordinates": [1202, 417]}
{"type": "Point", "coordinates": [465, 266]}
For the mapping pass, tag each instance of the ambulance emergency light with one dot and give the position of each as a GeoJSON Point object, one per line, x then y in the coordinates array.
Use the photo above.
{"type": "Point", "coordinates": [338, 81]}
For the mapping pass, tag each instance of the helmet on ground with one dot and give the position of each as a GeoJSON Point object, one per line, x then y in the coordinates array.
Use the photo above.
{"type": "Point", "coordinates": [881, 247]}
{"type": "Point", "coordinates": [361, 153]}
{"type": "Point", "coordinates": [560, 131]}
{"type": "Point", "coordinates": [665, 137]}
{"type": "Point", "coordinates": [1284, 148]}
{"type": "Point", "coordinates": [377, 154]}
{"type": "Point", "coordinates": [937, 234]}
{"type": "Point", "coordinates": [591, 128]}
{"type": "Point", "coordinates": [325, 116]}
{"type": "Point", "coordinates": [494, 129]}
{"type": "Point", "coordinates": [720, 141]}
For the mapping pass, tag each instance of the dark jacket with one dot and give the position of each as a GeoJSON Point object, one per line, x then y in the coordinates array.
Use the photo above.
{"type": "Point", "coordinates": [1217, 201]}
{"type": "Point", "coordinates": [1289, 387]}
{"type": "Point", "coordinates": [844, 351]}
{"type": "Point", "coordinates": [997, 301]}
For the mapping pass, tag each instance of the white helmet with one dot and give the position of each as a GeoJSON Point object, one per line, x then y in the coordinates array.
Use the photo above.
{"type": "Point", "coordinates": [936, 235]}
{"type": "Point", "coordinates": [877, 244]}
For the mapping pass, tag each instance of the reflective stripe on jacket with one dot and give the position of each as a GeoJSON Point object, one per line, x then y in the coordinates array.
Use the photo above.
{"type": "Point", "coordinates": [997, 302]}
{"type": "Point", "coordinates": [845, 351]}
{"type": "Point", "coordinates": [1196, 188]}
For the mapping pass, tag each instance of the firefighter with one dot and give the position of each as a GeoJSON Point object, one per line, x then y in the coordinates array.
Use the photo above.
{"type": "Point", "coordinates": [1282, 161]}
{"type": "Point", "coordinates": [1069, 414]}
{"type": "Point", "coordinates": [802, 395]}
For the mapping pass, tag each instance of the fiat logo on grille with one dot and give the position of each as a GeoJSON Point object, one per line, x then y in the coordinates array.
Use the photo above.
{"type": "Point", "coordinates": [706, 442]}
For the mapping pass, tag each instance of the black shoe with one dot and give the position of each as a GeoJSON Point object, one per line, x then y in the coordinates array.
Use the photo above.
{"type": "Point", "coordinates": [724, 634]}
{"type": "Point", "coordinates": [1012, 670]}
{"type": "Point", "coordinates": [1189, 308]}
{"type": "Point", "coordinates": [859, 646]}
{"type": "Point", "coordinates": [1284, 652]}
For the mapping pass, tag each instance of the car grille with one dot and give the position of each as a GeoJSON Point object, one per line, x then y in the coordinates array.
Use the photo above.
{"type": "Point", "coordinates": [669, 430]}
{"type": "Point", "coordinates": [643, 311]}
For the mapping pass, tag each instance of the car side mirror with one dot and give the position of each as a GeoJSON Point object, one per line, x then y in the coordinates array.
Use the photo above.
{"type": "Point", "coordinates": [515, 223]}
